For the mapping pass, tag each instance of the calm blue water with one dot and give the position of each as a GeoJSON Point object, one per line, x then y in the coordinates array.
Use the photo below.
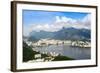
{"type": "Point", "coordinates": [65, 50]}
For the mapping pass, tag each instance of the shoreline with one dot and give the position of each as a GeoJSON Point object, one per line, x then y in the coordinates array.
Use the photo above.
{"type": "Point", "coordinates": [48, 42]}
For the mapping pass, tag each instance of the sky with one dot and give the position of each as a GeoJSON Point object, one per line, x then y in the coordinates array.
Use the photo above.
{"type": "Point", "coordinates": [53, 21]}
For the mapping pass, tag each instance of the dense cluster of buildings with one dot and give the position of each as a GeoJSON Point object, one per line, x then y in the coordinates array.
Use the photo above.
{"type": "Point", "coordinates": [47, 42]}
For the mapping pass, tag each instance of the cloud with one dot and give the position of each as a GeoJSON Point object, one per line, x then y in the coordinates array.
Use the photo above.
{"type": "Point", "coordinates": [64, 19]}
{"type": "Point", "coordinates": [87, 21]}
{"type": "Point", "coordinates": [59, 23]}
{"type": "Point", "coordinates": [69, 22]}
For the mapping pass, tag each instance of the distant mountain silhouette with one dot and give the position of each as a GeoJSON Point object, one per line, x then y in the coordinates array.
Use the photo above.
{"type": "Point", "coordinates": [63, 34]}
{"type": "Point", "coordinates": [73, 34]}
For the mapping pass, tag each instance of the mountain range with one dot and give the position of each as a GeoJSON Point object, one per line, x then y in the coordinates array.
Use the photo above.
{"type": "Point", "coordinates": [63, 34]}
